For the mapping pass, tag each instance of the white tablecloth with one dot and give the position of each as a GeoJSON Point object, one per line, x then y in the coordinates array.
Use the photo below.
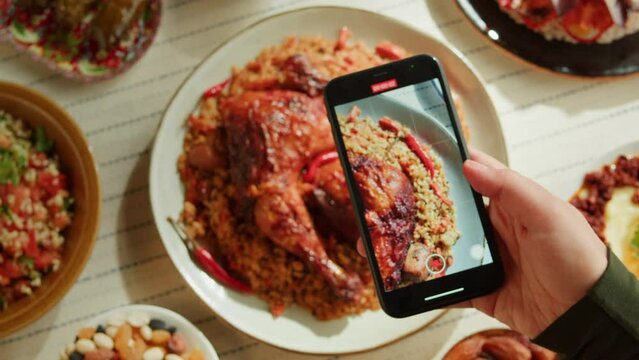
{"type": "Point", "coordinates": [553, 125]}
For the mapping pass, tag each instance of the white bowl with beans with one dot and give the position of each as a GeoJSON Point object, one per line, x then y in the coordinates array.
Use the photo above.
{"type": "Point", "coordinates": [138, 332]}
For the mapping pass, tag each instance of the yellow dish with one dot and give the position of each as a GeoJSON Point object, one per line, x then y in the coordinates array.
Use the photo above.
{"type": "Point", "coordinates": [622, 227]}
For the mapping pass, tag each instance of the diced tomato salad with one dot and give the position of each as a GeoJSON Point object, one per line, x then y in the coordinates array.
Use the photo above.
{"type": "Point", "coordinates": [34, 209]}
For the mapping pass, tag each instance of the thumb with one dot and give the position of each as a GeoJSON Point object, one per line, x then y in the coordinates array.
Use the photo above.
{"type": "Point", "coordinates": [485, 180]}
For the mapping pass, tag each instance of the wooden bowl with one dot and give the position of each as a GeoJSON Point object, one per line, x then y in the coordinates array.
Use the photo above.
{"type": "Point", "coordinates": [77, 163]}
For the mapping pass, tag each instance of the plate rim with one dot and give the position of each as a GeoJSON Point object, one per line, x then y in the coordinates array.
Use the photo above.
{"type": "Point", "coordinates": [154, 154]}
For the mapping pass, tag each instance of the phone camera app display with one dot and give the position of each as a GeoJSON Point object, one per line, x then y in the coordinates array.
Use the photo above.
{"type": "Point", "coordinates": [418, 208]}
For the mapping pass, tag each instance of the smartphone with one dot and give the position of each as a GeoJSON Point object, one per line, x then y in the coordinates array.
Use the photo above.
{"type": "Point", "coordinates": [426, 232]}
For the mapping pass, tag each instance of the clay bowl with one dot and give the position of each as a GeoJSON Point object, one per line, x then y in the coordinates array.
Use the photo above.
{"type": "Point", "coordinates": [77, 163]}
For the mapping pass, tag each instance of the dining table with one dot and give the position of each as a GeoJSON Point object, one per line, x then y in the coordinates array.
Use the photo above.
{"type": "Point", "coordinates": [554, 125]}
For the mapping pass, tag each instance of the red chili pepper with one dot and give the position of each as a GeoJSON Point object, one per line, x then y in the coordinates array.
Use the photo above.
{"type": "Point", "coordinates": [317, 162]}
{"type": "Point", "coordinates": [208, 263]}
{"type": "Point", "coordinates": [217, 272]}
{"type": "Point", "coordinates": [216, 89]}
{"type": "Point", "coordinates": [387, 123]}
{"type": "Point", "coordinates": [412, 144]}
{"type": "Point", "coordinates": [587, 21]}
{"type": "Point", "coordinates": [441, 196]}
{"type": "Point", "coordinates": [344, 35]}
{"type": "Point", "coordinates": [390, 51]}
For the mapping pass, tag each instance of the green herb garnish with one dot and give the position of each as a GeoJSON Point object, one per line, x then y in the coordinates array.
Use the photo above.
{"type": "Point", "coordinates": [6, 211]}
{"type": "Point", "coordinates": [9, 170]}
{"type": "Point", "coordinates": [26, 261]}
{"type": "Point", "coordinates": [33, 274]}
{"type": "Point", "coordinates": [19, 28]}
{"type": "Point", "coordinates": [67, 204]}
{"type": "Point", "coordinates": [21, 161]}
{"type": "Point", "coordinates": [42, 142]}
{"type": "Point", "coordinates": [146, 16]}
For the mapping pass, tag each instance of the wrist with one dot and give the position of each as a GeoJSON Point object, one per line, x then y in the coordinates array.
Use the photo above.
{"type": "Point", "coordinates": [590, 265]}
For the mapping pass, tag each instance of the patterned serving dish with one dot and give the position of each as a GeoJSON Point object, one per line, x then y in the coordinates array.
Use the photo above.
{"type": "Point", "coordinates": [76, 58]}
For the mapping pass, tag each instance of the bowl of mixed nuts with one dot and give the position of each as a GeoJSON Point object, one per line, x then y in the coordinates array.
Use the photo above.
{"type": "Point", "coordinates": [139, 332]}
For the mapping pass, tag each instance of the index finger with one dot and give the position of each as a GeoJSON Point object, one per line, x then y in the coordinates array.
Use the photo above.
{"type": "Point", "coordinates": [483, 158]}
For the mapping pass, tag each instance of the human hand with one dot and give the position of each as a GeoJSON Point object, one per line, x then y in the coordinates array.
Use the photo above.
{"type": "Point", "coordinates": [551, 256]}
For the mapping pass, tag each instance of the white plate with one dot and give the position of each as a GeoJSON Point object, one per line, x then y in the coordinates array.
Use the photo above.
{"type": "Point", "coordinates": [194, 337]}
{"type": "Point", "coordinates": [297, 330]}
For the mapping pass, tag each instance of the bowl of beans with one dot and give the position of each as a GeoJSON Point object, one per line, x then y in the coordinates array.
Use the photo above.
{"type": "Point", "coordinates": [138, 332]}
{"type": "Point", "coordinates": [49, 205]}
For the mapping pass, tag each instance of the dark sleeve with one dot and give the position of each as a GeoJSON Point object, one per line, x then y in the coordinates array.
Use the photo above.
{"type": "Point", "coordinates": [602, 325]}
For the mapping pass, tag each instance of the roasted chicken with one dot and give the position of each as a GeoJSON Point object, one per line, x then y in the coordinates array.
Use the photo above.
{"type": "Point", "coordinates": [329, 196]}
{"type": "Point", "coordinates": [389, 202]}
{"type": "Point", "coordinates": [271, 136]}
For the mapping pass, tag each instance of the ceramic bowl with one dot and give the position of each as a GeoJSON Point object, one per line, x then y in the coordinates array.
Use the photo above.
{"type": "Point", "coordinates": [193, 336]}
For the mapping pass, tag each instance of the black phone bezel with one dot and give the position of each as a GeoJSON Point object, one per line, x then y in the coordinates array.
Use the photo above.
{"type": "Point", "coordinates": [411, 300]}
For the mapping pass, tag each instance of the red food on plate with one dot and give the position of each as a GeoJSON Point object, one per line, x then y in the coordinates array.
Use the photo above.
{"type": "Point", "coordinates": [588, 20]}
{"type": "Point", "coordinates": [577, 21]}
{"type": "Point", "coordinates": [535, 13]}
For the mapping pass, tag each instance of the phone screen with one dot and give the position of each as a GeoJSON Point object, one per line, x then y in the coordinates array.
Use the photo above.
{"type": "Point", "coordinates": [419, 210]}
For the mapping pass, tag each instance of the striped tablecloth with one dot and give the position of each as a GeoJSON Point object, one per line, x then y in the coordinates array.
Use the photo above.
{"type": "Point", "coordinates": [553, 125]}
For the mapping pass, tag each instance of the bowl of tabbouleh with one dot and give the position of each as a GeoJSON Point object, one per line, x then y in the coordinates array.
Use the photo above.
{"type": "Point", "coordinates": [49, 205]}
